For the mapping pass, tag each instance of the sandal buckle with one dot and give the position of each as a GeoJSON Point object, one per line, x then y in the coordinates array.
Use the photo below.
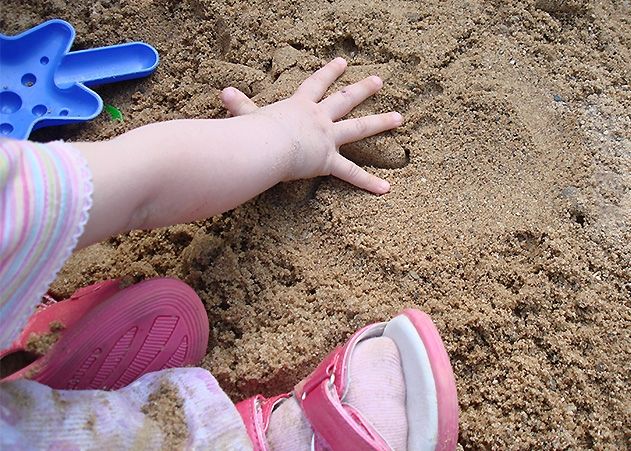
{"type": "Point", "coordinates": [313, 383]}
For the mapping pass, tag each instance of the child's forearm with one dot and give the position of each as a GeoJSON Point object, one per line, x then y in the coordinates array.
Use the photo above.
{"type": "Point", "coordinates": [180, 171]}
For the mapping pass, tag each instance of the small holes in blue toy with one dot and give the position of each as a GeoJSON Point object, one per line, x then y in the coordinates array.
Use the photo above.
{"type": "Point", "coordinates": [10, 102]}
{"type": "Point", "coordinates": [28, 80]}
{"type": "Point", "coordinates": [38, 90]}
{"type": "Point", "coordinates": [6, 129]}
{"type": "Point", "coordinates": [39, 110]}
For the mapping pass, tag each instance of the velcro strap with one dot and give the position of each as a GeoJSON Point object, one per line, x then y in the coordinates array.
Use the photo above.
{"type": "Point", "coordinates": [251, 415]}
{"type": "Point", "coordinates": [256, 413]}
{"type": "Point", "coordinates": [336, 425]}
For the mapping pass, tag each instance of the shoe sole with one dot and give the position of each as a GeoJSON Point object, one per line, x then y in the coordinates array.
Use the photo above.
{"type": "Point", "coordinates": [150, 326]}
{"type": "Point", "coordinates": [431, 397]}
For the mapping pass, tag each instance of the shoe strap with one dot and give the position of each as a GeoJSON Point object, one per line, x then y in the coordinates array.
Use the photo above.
{"type": "Point", "coordinates": [336, 424]}
{"type": "Point", "coordinates": [256, 413]}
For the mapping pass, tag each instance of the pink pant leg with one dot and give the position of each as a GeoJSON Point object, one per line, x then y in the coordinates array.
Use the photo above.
{"type": "Point", "coordinates": [179, 408]}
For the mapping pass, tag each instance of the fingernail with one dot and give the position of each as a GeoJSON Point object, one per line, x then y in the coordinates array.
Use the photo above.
{"type": "Point", "coordinates": [377, 80]}
{"type": "Point", "coordinates": [228, 93]}
{"type": "Point", "coordinates": [340, 60]}
{"type": "Point", "coordinates": [398, 119]}
{"type": "Point", "coordinates": [384, 186]}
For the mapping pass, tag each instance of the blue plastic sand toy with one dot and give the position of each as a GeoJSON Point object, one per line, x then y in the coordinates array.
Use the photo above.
{"type": "Point", "coordinates": [43, 84]}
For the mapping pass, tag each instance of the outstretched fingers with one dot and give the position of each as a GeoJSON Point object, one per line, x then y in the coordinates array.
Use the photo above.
{"type": "Point", "coordinates": [342, 102]}
{"type": "Point", "coordinates": [352, 130]}
{"type": "Point", "coordinates": [348, 171]}
{"type": "Point", "coordinates": [236, 102]}
{"type": "Point", "coordinates": [314, 87]}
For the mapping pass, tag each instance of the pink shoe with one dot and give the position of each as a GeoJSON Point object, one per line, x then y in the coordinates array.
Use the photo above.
{"type": "Point", "coordinates": [431, 401]}
{"type": "Point", "coordinates": [108, 336]}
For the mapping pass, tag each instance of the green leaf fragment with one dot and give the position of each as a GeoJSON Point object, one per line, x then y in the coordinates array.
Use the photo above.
{"type": "Point", "coordinates": [115, 113]}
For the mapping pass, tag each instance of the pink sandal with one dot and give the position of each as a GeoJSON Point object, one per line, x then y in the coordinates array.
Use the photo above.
{"type": "Point", "coordinates": [108, 336]}
{"type": "Point", "coordinates": [431, 400]}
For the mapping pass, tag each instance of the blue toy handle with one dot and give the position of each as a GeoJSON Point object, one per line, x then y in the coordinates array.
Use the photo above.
{"type": "Point", "coordinates": [107, 64]}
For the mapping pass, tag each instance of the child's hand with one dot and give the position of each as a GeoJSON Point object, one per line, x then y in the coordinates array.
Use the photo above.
{"type": "Point", "coordinates": [308, 124]}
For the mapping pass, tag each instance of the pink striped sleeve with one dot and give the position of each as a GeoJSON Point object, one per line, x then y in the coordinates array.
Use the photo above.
{"type": "Point", "coordinates": [45, 196]}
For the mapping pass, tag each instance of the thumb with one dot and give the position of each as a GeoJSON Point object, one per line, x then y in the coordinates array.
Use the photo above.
{"type": "Point", "coordinates": [236, 102]}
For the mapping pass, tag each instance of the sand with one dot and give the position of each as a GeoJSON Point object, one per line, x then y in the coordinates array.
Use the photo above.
{"type": "Point", "coordinates": [165, 407]}
{"type": "Point", "coordinates": [509, 219]}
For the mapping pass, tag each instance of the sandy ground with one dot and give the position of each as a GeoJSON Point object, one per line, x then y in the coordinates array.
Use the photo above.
{"type": "Point", "coordinates": [509, 219]}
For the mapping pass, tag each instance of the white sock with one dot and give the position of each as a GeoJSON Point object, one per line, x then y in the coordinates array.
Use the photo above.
{"type": "Point", "coordinates": [377, 390]}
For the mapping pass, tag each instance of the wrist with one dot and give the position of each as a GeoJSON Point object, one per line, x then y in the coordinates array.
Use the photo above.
{"type": "Point", "coordinates": [275, 142]}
